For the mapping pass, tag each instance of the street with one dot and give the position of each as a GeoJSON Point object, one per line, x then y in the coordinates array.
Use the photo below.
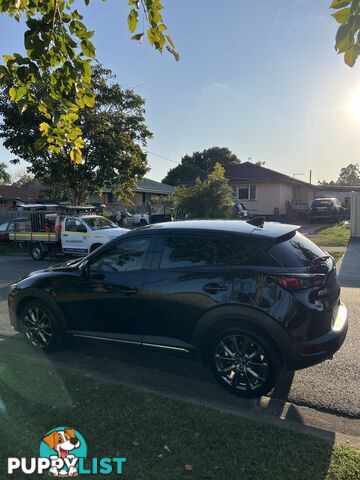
{"type": "Point", "coordinates": [333, 386]}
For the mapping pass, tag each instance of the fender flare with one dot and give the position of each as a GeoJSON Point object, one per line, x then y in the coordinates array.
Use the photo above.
{"type": "Point", "coordinates": [231, 314]}
{"type": "Point", "coordinates": [35, 294]}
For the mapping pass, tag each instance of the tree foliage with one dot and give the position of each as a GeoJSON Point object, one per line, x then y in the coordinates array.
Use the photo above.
{"type": "Point", "coordinates": [349, 175]}
{"type": "Point", "coordinates": [211, 198]}
{"type": "Point", "coordinates": [200, 164]}
{"type": "Point", "coordinates": [114, 135]}
{"type": "Point", "coordinates": [4, 175]}
{"type": "Point", "coordinates": [347, 42]}
{"type": "Point", "coordinates": [59, 52]}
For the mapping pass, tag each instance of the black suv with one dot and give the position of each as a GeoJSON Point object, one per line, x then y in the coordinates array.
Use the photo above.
{"type": "Point", "coordinates": [245, 297]}
{"type": "Point", "coordinates": [326, 209]}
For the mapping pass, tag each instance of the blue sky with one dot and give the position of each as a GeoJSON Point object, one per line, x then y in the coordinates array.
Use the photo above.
{"type": "Point", "coordinates": [259, 77]}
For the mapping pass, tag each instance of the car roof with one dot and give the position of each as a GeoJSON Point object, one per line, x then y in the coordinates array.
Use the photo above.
{"type": "Point", "coordinates": [268, 230]}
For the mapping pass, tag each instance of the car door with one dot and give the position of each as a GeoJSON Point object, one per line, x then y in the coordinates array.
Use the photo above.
{"type": "Point", "coordinates": [183, 284]}
{"type": "Point", "coordinates": [108, 298]}
{"type": "Point", "coordinates": [74, 238]}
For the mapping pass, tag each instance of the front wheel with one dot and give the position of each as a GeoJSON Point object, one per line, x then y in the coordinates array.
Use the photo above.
{"type": "Point", "coordinates": [39, 326]}
{"type": "Point", "coordinates": [244, 362]}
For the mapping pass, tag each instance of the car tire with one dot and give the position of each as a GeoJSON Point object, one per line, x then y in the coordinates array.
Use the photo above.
{"type": "Point", "coordinates": [248, 368]}
{"type": "Point", "coordinates": [36, 252]}
{"type": "Point", "coordinates": [39, 326]}
{"type": "Point", "coordinates": [143, 222]}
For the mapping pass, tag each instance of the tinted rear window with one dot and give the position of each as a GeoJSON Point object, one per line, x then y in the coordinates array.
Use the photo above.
{"type": "Point", "coordinates": [322, 203]}
{"type": "Point", "coordinates": [227, 250]}
{"type": "Point", "coordinates": [298, 251]}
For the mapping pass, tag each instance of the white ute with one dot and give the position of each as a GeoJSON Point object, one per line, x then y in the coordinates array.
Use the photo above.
{"type": "Point", "coordinates": [75, 234]}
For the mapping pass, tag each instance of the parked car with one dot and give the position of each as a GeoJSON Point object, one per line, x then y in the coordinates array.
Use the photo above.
{"type": "Point", "coordinates": [247, 298]}
{"type": "Point", "coordinates": [326, 209]}
{"type": "Point", "coordinates": [143, 218]}
{"type": "Point", "coordinates": [239, 211]}
{"type": "Point", "coordinates": [10, 226]}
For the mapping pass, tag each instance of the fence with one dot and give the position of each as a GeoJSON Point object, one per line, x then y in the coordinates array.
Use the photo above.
{"type": "Point", "coordinates": [355, 214]}
{"type": "Point", "coordinates": [6, 216]}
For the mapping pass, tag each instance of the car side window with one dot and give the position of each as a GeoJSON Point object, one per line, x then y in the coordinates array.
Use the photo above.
{"type": "Point", "coordinates": [74, 225]}
{"type": "Point", "coordinates": [126, 256]}
{"type": "Point", "coordinates": [181, 251]}
{"type": "Point", "coordinates": [236, 252]}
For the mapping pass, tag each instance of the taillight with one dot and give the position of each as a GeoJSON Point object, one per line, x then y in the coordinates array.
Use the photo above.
{"type": "Point", "coordinates": [298, 282]}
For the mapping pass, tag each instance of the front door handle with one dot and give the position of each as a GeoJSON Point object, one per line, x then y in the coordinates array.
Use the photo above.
{"type": "Point", "coordinates": [215, 287]}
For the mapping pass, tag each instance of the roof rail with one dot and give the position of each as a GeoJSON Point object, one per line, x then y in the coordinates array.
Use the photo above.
{"type": "Point", "coordinates": [256, 221]}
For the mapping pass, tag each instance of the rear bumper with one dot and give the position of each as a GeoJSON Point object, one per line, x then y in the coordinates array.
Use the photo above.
{"type": "Point", "coordinates": [322, 348]}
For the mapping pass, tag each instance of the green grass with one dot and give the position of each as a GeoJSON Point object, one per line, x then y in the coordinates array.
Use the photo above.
{"type": "Point", "coordinates": [336, 236]}
{"type": "Point", "coordinates": [337, 255]}
{"type": "Point", "coordinates": [120, 421]}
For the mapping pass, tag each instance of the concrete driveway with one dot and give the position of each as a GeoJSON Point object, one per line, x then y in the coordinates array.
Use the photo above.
{"type": "Point", "coordinates": [333, 386]}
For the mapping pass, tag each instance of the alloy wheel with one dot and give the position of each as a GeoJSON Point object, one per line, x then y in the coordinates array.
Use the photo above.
{"type": "Point", "coordinates": [38, 327]}
{"type": "Point", "coordinates": [241, 363]}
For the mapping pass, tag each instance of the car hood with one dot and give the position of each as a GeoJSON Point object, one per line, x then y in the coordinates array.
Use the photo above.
{"type": "Point", "coordinates": [58, 267]}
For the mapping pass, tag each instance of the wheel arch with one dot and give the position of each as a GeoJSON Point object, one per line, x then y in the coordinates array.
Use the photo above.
{"type": "Point", "coordinates": [222, 316]}
{"type": "Point", "coordinates": [33, 294]}
{"type": "Point", "coordinates": [94, 246]}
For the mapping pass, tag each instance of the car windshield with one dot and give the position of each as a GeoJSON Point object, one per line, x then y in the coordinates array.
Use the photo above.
{"type": "Point", "coordinates": [3, 227]}
{"type": "Point", "coordinates": [99, 223]}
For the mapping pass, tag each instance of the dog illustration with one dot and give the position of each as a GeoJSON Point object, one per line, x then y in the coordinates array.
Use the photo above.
{"type": "Point", "coordinates": [63, 441]}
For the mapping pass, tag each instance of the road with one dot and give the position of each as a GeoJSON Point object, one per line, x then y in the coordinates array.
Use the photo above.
{"type": "Point", "coordinates": [333, 386]}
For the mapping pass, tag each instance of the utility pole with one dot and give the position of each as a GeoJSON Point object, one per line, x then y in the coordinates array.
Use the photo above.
{"type": "Point", "coordinates": [310, 176]}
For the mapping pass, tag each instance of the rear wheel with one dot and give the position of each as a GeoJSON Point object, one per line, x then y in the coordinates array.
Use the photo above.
{"type": "Point", "coordinates": [244, 361]}
{"type": "Point", "coordinates": [39, 326]}
{"type": "Point", "coordinates": [36, 251]}
{"type": "Point", "coordinates": [143, 222]}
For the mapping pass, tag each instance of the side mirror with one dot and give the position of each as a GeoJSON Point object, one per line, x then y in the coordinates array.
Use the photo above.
{"type": "Point", "coordinates": [84, 269]}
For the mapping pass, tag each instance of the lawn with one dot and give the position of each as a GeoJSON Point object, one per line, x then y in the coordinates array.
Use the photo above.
{"type": "Point", "coordinates": [336, 236]}
{"type": "Point", "coordinates": [162, 439]}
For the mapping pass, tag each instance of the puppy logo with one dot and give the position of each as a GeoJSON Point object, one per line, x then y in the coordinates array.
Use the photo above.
{"type": "Point", "coordinates": [63, 446]}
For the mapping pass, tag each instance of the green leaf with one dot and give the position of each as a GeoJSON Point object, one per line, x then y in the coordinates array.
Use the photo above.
{"type": "Point", "coordinates": [138, 37]}
{"type": "Point", "coordinates": [89, 100]}
{"type": "Point", "coordinates": [351, 56]}
{"type": "Point", "coordinates": [7, 58]}
{"type": "Point", "coordinates": [12, 94]}
{"type": "Point", "coordinates": [88, 48]}
{"type": "Point", "coordinates": [133, 20]}
{"type": "Point", "coordinates": [342, 16]}
{"type": "Point", "coordinates": [344, 44]}
{"type": "Point", "coordinates": [340, 3]}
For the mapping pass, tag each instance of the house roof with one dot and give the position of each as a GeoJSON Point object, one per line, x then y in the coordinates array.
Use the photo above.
{"type": "Point", "coordinates": [10, 192]}
{"type": "Point", "coordinates": [151, 186]}
{"type": "Point", "coordinates": [248, 171]}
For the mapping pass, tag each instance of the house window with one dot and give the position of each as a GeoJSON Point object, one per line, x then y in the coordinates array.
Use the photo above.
{"type": "Point", "coordinates": [247, 192]}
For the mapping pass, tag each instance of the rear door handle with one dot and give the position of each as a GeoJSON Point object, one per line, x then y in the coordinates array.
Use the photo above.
{"type": "Point", "coordinates": [214, 288]}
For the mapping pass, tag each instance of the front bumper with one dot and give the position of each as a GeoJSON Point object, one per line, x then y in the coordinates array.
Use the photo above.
{"type": "Point", "coordinates": [322, 348]}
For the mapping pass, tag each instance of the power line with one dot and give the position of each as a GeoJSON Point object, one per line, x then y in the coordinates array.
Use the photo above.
{"type": "Point", "coordinates": [165, 158]}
